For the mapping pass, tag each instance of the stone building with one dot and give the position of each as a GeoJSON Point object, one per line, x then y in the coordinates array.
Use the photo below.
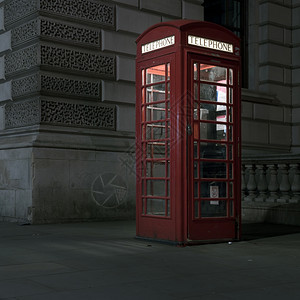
{"type": "Point", "coordinates": [67, 99]}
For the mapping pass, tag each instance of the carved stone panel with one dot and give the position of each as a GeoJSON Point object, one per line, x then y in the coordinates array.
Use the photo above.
{"type": "Point", "coordinates": [85, 10]}
{"type": "Point", "coordinates": [18, 9]}
{"type": "Point", "coordinates": [25, 32]}
{"type": "Point", "coordinates": [22, 113]}
{"type": "Point", "coordinates": [67, 86]}
{"type": "Point", "coordinates": [25, 85]}
{"type": "Point", "coordinates": [68, 33]}
{"type": "Point", "coordinates": [75, 60]}
{"type": "Point", "coordinates": [21, 60]}
{"type": "Point", "coordinates": [53, 112]}
{"type": "Point", "coordinates": [73, 114]}
{"type": "Point", "coordinates": [93, 11]}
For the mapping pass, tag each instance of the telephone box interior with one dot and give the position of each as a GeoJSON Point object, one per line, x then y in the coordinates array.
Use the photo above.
{"type": "Point", "coordinates": [188, 133]}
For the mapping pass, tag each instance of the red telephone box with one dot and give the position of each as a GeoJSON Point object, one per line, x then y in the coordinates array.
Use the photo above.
{"type": "Point", "coordinates": [188, 133]}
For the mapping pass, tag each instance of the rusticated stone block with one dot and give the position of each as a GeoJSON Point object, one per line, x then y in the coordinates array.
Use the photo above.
{"type": "Point", "coordinates": [52, 112]}
{"type": "Point", "coordinates": [75, 60]}
{"type": "Point", "coordinates": [21, 60]}
{"type": "Point", "coordinates": [86, 10]}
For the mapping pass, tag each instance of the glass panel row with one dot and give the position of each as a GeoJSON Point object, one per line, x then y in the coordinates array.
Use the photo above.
{"type": "Point", "coordinates": [156, 168]}
{"type": "Point", "coordinates": [213, 208]}
{"type": "Point", "coordinates": [213, 189]}
{"type": "Point", "coordinates": [156, 131]}
{"type": "Point", "coordinates": [156, 111]}
{"type": "Point", "coordinates": [157, 92]}
{"type": "Point", "coordinates": [213, 112]}
{"type": "Point", "coordinates": [209, 169]}
{"type": "Point", "coordinates": [156, 207]}
{"type": "Point", "coordinates": [157, 73]}
{"type": "Point", "coordinates": [213, 150]}
{"type": "Point", "coordinates": [216, 93]}
{"type": "Point", "coordinates": [212, 131]}
{"type": "Point", "coordinates": [205, 72]}
{"type": "Point", "coordinates": [156, 187]}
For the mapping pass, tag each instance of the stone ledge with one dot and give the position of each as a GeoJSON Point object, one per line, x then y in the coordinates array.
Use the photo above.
{"type": "Point", "coordinates": [278, 213]}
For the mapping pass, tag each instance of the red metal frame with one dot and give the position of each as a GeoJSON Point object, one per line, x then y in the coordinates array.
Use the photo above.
{"type": "Point", "coordinates": [164, 141]}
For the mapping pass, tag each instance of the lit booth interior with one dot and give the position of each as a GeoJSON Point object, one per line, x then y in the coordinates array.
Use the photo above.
{"type": "Point", "coordinates": [188, 133]}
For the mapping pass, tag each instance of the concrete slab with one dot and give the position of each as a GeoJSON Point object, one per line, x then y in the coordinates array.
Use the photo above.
{"type": "Point", "coordinates": [104, 261]}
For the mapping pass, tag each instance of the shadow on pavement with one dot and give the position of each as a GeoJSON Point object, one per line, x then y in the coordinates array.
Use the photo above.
{"type": "Point", "coordinates": [252, 231]}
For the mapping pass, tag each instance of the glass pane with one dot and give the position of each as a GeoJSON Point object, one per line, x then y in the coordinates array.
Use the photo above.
{"type": "Point", "coordinates": [231, 207]}
{"type": "Point", "coordinates": [212, 131]}
{"type": "Point", "coordinates": [168, 71]}
{"type": "Point", "coordinates": [196, 113]}
{"type": "Point", "coordinates": [196, 150]}
{"type": "Point", "coordinates": [230, 91]}
{"type": "Point", "coordinates": [156, 150]}
{"type": "Point", "coordinates": [210, 92]}
{"type": "Point", "coordinates": [206, 190]}
{"type": "Point", "coordinates": [196, 169]}
{"type": "Point", "coordinates": [143, 76]}
{"type": "Point", "coordinates": [231, 189]}
{"type": "Point", "coordinates": [195, 71]}
{"type": "Point", "coordinates": [230, 77]}
{"type": "Point", "coordinates": [156, 188]}
{"type": "Point", "coordinates": [213, 112]}
{"type": "Point", "coordinates": [230, 114]}
{"type": "Point", "coordinates": [156, 131]}
{"type": "Point", "coordinates": [156, 169]}
{"type": "Point", "coordinates": [155, 112]}
{"type": "Point", "coordinates": [156, 207]}
{"type": "Point", "coordinates": [213, 73]}
{"type": "Point", "coordinates": [196, 194]}
{"type": "Point", "coordinates": [213, 208]}
{"type": "Point", "coordinates": [230, 171]}
{"type": "Point", "coordinates": [168, 91]}
{"type": "Point", "coordinates": [196, 92]}
{"type": "Point", "coordinates": [213, 170]}
{"type": "Point", "coordinates": [213, 151]}
{"type": "Point", "coordinates": [196, 209]}
{"type": "Point", "coordinates": [155, 74]}
{"type": "Point", "coordinates": [156, 93]}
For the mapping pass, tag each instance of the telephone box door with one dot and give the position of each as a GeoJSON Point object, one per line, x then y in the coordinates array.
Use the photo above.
{"type": "Point", "coordinates": [213, 149]}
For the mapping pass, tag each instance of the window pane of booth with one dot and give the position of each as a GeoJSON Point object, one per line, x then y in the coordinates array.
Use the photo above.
{"type": "Point", "coordinates": [196, 66]}
{"type": "Point", "coordinates": [209, 92]}
{"type": "Point", "coordinates": [156, 188]}
{"type": "Point", "coordinates": [156, 92]}
{"type": "Point", "coordinates": [156, 150]}
{"type": "Point", "coordinates": [213, 112]}
{"type": "Point", "coordinates": [155, 112]}
{"type": "Point", "coordinates": [213, 189]}
{"type": "Point", "coordinates": [155, 74]}
{"type": "Point", "coordinates": [213, 208]}
{"type": "Point", "coordinates": [213, 150]}
{"type": "Point", "coordinates": [156, 131]}
{"type": "Point", "coordinates": [213, 73]}
{"type": "Point", "coordinates": [156, 207]}
{"type": "Point", "coordinates": [210, 131]}
{"type": "Point", "coordinates": [213, 170]}
{"type": "Point", "coordinates": [156, 169]}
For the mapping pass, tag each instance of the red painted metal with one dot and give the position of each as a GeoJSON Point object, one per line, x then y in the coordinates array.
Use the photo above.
{"type": "Point", "coordinates": [187, 145]}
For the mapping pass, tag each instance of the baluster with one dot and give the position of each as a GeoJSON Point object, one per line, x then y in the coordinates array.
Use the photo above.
{"type": "Point", "coordinates": [273, 184]}
{"type": "Point", "coordinates": [251, 185]}
{"type": "Point", "coordinates": [262, 185]}
{"type": "Point", "coordinates": [296, 184]}
{"type": "Point", "coordinates": [284, 186]}
{"type": "Point", "coordinates": [243, 185]}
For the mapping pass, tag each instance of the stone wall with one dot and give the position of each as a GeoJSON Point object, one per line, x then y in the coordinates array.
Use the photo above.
{"type": "Point", "coordinates": [67, 96]}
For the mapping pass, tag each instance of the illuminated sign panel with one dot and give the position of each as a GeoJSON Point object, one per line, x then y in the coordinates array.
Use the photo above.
{"type": "Point", "coordinates": [165, 42]}
{"type": "Point", "coordinates": [211, 44]}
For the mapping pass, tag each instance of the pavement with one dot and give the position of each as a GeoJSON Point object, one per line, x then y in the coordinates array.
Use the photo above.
{"type": "Point", "coordinates": [103, 260]}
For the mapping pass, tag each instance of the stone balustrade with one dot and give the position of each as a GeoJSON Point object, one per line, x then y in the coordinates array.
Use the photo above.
{"type": "Point", "coordinates": [271, 182]}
